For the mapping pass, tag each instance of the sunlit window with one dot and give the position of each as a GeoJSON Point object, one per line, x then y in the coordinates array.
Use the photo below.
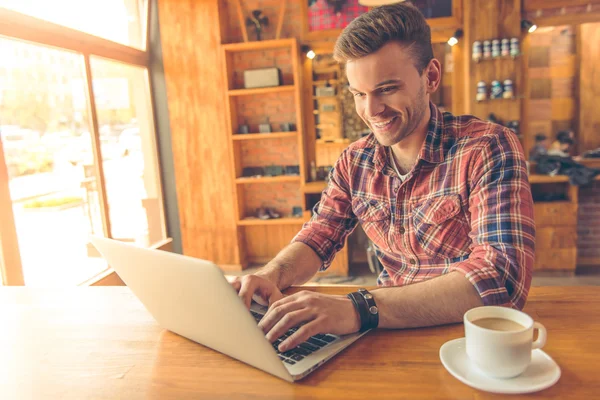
{"type": "Point", "coordinates": [122, 21]}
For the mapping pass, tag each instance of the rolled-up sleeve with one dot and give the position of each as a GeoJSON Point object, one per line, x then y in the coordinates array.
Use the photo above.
{"type": "Point", "coordinates": [333, 219]}
{"type": "Point", "coordinates": [502, 223]}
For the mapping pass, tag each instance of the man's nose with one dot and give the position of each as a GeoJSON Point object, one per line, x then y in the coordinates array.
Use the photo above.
{"type": "Point", "coordinates": [373, 106]}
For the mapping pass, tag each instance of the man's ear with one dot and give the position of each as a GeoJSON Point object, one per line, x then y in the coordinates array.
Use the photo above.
{"type": "Point", "coordinates": [433, 74]}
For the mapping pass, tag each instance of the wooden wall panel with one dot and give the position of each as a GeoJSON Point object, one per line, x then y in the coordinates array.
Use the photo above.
{"type": "Point", "coordinates": [589, 87]}
{"type": "Point", "coordinates": [191, 37]}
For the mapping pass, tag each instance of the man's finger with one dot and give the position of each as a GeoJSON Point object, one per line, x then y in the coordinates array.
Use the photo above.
{"type": "Point", "coordinates": [236, 285]}
{"type": "Point", "coordinates": [302, 335]}
{"type": "Point", "coordinates": [290, 320]}
{"type": "Point", "coordinates": [275, 314]}
{"type": "Point", "coordinates": [246, 291]}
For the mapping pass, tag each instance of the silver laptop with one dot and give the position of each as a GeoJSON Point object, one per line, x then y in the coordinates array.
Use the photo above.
{"type": "Point", "coordinates": [192, 298]}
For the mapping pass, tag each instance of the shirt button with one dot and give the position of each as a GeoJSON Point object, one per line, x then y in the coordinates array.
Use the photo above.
{"type": "Point", "coordinates": [402, 230]}
{"type": "Point", "coordinates": [396, 189]}
{"type": "Point", "coordinates": [412, 261]}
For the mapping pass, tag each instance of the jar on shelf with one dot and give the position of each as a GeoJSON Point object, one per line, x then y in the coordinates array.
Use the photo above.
{"type": "Point", "coordinates": [477, 52]}
{"type": "Point", "coordinates": [505, 48]}
{"type": "Point", "coordinates": [515, 49]}
{"type": "Point", "coordinates": [487, 49]}
{"type": "Point", "coordinates": [481, 91]}
{"type": "Point", "coordinates": [509, 91]}
{"type": "Point", "coordinates": [495, 48]}
{"type": "Point", "coordinates": [496, 90]}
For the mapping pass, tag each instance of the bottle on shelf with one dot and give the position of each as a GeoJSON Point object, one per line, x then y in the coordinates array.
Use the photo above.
{"type": "Point", "coordinates": [487, 49]}
{"type": "Point", "coordinates": [477, 52]}
{"type": "Point", "coordinates": [514, 47]}
{"type": "Point", "coordinates": [505, 48]}
{"type": "Point", "coordinates": [495, 48]}
{"type": "Point", "coordinates": [481, 91]}
{"type": "Point", "coordinates": [509, 91]}
{"type": "Point", "coordinates": [496, 90]}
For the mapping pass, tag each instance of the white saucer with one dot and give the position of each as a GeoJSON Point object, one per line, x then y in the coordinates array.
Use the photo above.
{"type": "Point", "coordinates": [542, 373]}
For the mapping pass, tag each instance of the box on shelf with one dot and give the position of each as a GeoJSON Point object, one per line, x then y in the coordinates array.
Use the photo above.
{"type": "Point", "coordinates": [263, 77]}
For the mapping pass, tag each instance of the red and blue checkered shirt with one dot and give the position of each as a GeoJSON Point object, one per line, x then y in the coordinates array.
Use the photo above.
{"type": "Point", "coordinates": [466, 206]}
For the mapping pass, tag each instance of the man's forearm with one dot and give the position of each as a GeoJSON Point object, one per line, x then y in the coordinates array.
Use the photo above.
{"type": "Point", "coordinates": [294, 265]}
{"type": "Point", "coordinates": [438, 301]}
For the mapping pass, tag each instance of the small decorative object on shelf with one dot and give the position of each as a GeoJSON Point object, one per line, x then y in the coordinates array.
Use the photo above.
{"type": "Point", "coordinates": [265, 128]}
{"type": "Point", "coordinates": [313, 171]}
{"type": "Point", "coordinates": [496, 90]}
{"type": "Point", "coordinates": [242, 129]}
{"type": "Point", "coordinates": [292, 170]}
{"type": "Point", "coordinates": [322, 91]}
{"type": "Point", "coordinates": [262, 77]}
{"type": "Point", "coordinates": [286, 127]}
{"type": "Point", "coordinates": [477, 51]}
{"type": "Point", "coordinates": [514, 47]}
{"type": "Point", "coordinates": [487, 50]}
{"type": "Point", "coordinates": [509, 91]}
{"type": "Point", "coordinates": [505, 49]}
{"type": "Point", "coordinates": [297, 212]}
{"type": "Point", "coordinates": [495, 48]}
{"type": "Point", "coordinates": [274, 170]}
{"type": "Point", "coordinates": [258, 20]}
{"type": "Point", "coordinates": [492, 118]}
{"type": "Point", "coordinates": [265, 213]}
{"type": "Point", "coordinates": [328, 108]}
{"type": "Point", "coordinates": [253, 172]}
{"type": "Point", "coordinates": [513, 126]}
{"type": "Point", "coordinates": [481, 91]}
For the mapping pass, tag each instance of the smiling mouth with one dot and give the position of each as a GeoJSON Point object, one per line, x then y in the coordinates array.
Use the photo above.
{"type": "Point", "coordinates": [384, 124]}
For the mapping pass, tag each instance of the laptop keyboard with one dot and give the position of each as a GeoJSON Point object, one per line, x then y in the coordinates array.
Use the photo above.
{"type": "Point", "coordinates": [314, 343]}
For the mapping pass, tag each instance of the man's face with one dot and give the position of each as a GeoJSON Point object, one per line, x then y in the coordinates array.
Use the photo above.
{"type": "Point", "coordinates": [389, 93]}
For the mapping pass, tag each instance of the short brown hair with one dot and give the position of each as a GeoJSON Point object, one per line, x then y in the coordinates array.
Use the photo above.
{"type": "Point", "coordinates": [401, 22]}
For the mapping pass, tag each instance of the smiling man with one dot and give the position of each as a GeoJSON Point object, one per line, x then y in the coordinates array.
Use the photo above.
{"type": "Point", "coordinates": [444, 198]}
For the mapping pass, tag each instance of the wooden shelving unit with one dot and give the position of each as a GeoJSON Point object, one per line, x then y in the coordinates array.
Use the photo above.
{"type": "Point", "coordinates": [256, 136]}
{"type": "Point", "coordinates": [269, 179]}
{"type": "Point", "coordinates": [260, 240]}
{"type": "Point", "coordinates": [255, 91]}
{"type": "Point", "coordinates": [276, 221]}
{"type": "Point", "coordinates": [314, 187]}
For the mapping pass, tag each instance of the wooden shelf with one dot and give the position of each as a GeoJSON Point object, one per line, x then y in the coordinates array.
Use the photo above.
{"type": "Point", "coordinates": [259, 45]}
{"type": "Point", "coordinates": [538, 178]}
{"type": "Point", "coordinates": [272, 135]}
{"type": "Point", "coordinates": [277, 221]}
{"type": "Point", "coordinates": [249, 92]}
{"type": "Point", "coordinates": [488, 100]}
{"type": "Point", "coordinates": [503, 58]}
{"type": "Point", "coordinates": [269, 179]}
{"type": "Point", "coordinates": [314, 187]}
{"type": "Point", "coordinates": [333, 141]}
{"type": "Point", "coordinates": [325, 82]}
{"type": "Point", "coordinates": [325, 97]}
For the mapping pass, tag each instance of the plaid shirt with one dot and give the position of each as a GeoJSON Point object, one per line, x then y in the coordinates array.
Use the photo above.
{"type": "Point", "coordinates": [466, 206]}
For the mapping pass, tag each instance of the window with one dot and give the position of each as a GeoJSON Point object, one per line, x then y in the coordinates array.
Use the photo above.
{"type": "Point", "coordinates": [121, 21]}
{"type": "Point", "coordinates": [78, 139]}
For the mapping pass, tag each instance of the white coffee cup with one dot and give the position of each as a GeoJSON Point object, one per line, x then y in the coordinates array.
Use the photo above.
{"type": "Point", "coordinates": [501, 353]}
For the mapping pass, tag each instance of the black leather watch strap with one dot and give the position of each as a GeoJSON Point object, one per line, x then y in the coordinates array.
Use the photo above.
{"type": "Point", "coordinates": [373, 310]}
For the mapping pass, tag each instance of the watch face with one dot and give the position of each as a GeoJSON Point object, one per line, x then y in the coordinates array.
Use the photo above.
{"type": "Point", "coordinates": [368, 296]}
{"type": "Point", "coordinates": [373, 310]}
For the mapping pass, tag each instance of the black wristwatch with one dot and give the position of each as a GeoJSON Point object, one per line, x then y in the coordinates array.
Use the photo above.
{"type": "Point", "coordinates": [364, 303]}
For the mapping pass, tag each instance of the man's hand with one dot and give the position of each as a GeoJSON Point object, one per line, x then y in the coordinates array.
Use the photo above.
{"type": "Point", "coordinates": [319, 313]}
{"type": "Point", "coordinates": [250, 285]}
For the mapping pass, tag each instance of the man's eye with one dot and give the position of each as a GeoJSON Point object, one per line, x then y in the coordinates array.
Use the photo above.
{"type": "Point", "coordinates": [358, 94]}
{"type": "Point", "coordinates": [386, 89]}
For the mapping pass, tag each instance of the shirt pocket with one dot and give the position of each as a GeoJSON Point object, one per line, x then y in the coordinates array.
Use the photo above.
{"type": "Point", "coordinates": [441, 228]}
{"type": "Point", "coordinates": [374, 217]}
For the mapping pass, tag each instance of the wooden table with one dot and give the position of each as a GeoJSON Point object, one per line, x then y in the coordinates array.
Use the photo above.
{"type": "Point", "coordinates": [100, 343]}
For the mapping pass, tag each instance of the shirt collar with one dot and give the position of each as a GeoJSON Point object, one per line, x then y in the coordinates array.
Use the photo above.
{"type": "Point", "coordinates": [432, 151]}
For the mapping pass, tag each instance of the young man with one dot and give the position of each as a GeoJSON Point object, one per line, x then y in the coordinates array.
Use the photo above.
{"type": "Point", "coordinates": [445, 199]}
